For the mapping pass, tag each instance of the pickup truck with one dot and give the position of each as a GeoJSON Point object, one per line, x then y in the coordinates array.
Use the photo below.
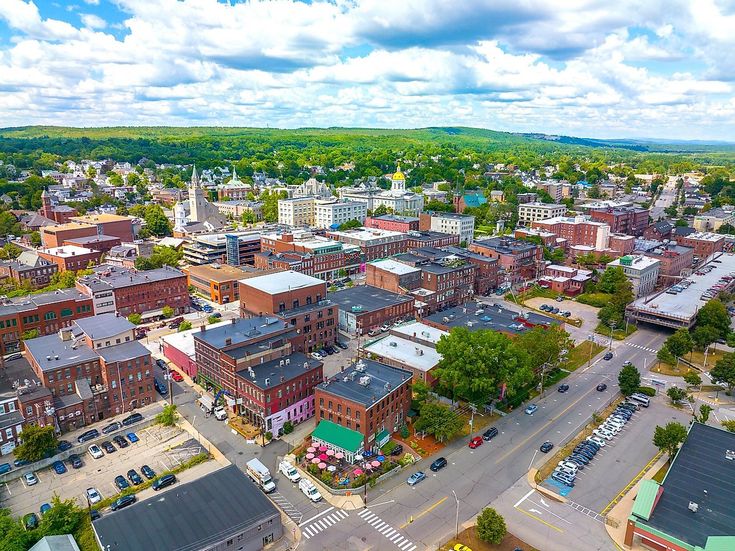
{"type": "Point", "coordinates": [289, 471]}
{"type": "Point", "coordinates": [260, 474]}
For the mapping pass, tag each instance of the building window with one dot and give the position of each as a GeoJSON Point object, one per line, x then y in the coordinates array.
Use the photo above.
{"type": "Point", "coordinates": [49, 316]}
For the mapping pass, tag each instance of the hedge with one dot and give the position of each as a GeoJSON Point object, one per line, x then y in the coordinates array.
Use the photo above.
{"type": "Point", "coordinates": [647, 390]}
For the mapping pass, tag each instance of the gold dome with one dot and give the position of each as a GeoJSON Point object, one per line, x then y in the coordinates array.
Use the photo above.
{"type": "Point", "coordinates": [398, 174]}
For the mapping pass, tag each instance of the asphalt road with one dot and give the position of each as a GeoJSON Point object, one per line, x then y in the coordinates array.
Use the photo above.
{"type": "Point", "coordinates": [665, 199]}
{"type": "Point", "coordinates": [424, 515]}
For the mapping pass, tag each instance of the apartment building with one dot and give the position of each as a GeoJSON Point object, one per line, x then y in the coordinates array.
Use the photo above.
{"type": "Point", "coordinates": [577, 230]}
{"type": "Point", "coordinates": [518, 261]}
{"type": "Point", "coordinates": [364, 307]}
{"type": "Point", "coordinates": [462, 225]}
{"type": "Point", "coordinates": [28, 269]}
{"type": "Point", "coordinates": [627, 220]}
{"type": "Point", "coordinates": [373, 243]}
{"type": "Point", "coordinates": [642, 271]}
{"type": "Point", "coordinates": [533, 212]}
{"type": "Point", "coordinates": [704, 244]}
{"type": "Point", "coordinates": [393, 222]}
{"type": "Point", "coordinates": [315, 255]}
{"type": "Point", "coordinates": [71, 257]}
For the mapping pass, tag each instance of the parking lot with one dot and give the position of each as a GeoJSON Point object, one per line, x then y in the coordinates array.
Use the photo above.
{"type": "Point", "coordinates": [155, 449]}
{"type": "Point", "coordinates": [584, 312]}
{"type": "Point", "coordinates": [621, 459]}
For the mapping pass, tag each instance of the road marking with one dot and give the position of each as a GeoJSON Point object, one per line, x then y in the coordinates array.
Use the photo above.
{"type": "Point", "coordinates": [317, 516]}
{"type": "Point", "coordinates": [422, 513]}
{"type": "Point", "coordinates": [542, 521]}
{"type": "Point", "coordinates": [548, 511]}
{"type": "Point", "coordinates": [523, 498]}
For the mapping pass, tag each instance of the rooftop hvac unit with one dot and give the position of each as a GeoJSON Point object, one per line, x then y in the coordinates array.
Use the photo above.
{"type": "Point", "coordinates": [360, 366]}
{"type": "Point", "coordinates": [730, 455]}
{"type": "Point", "coordinates": [365, 381]}
{"type": "Point", "coordinates": [267, 381]}
{"type": "Point", "coordinates": [288, 361]}
{"type": "Point", "coordinates": [394, 344]}
{"type": "Point", "coordinates": [693, 507]}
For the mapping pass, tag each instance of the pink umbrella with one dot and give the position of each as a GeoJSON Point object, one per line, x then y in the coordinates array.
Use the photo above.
{"type": "Point", "coordinates": [375, 464]}
{"type": "Point", "coordinates": [315, 460]}
{"type": "Point", "coordinates": [311, 449]}
{"type": "Point", "coordinates": [323, 457]}
{"type": "Point", "coordinates": [322, 465]}
{"type": "Point", "coordinates": [330, 452]}
{"type": "Point", "coordinates": [322, 448]}
{"type": "Point", "coordinates": [309, 456]}
{"type": "Point", "coordinates": [339, 455]}
{"type": "Point", "coordinates": [358, 472]}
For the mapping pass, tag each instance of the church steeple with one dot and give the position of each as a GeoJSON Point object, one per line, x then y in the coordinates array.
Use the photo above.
{"type": "Point", "coordinates": [234, 175]}
{"type": "Point", "coordinates": [194, 177]}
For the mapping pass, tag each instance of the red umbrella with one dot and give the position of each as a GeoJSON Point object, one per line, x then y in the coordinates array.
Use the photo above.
{"type": "Point", "coordinates": [339, 455]}
{"type": "Point", "coordinates": [323, 457]}
{"type": "Point", "coordinates": [309, 456]}
{"type": "Point", "coordinates": [322, 448]}
{"type": "Point", "coordinates": [358, 472]}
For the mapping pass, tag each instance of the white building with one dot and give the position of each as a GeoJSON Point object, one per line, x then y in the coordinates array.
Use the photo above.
{"type": "Point", "coordinates": [397, 198]}
{"type": "Point", "coordinates": [298, 211]}
{"type": "Point", "coordinates": [462, 225]}
{"type": "Point", "coordinates": [642, 272]}
{"type": "Point", "coordinates": [713, 219]}
{"type": "Point", "coordinates": [309, 211]}
{"type": "Point", "coordinates": [201, 214]}
{"type": "Point", "coordinates": [313, 188]}
{"type": "Point", "coordinates": [532, 212]}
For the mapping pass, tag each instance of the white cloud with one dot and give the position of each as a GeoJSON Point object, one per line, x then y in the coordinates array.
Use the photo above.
{"type": "Point", "coordinates": [92, 21]}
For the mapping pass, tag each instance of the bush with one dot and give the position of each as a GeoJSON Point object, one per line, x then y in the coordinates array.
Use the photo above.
{"type": "Point", "coordinates": [598, 300]}
{"type": "Point", "coordinates": [404, 431]}
{"type": "Point", "coordinates": [389, 447]}
{"type": "Point", "coordinates": [491, 526]}
{"type": "Point", "coordinates": [167, 417]}
{"type": "Point", "coordinates": [269, 435]}
{"type": "Point", "coordinates": [287, 427]}
{"type": "Point", "coordinates": [647, 390]}
{"type": "Point", "coordinates": [359, 481]}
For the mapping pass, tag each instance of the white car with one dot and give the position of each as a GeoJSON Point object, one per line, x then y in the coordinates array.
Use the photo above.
{"type": "Point", "coordinates": [93, 496]}
{"type": "Point", "coordinates": [30, 478]}
{"type": "Point", "coordinates": [602, 433]}
{"type": "Point", "coordinates": [95, 451]}
{"type": "Point", "coordinates": [597, 440]}
{"type": "Point", "coordinates": [289, 471]}
{"type": "Point", "coordinates": [568, 465]}
{"type": "Point", "coordinates": [611, 428]}
{"type": "Point", "coordinates": [615, 421]}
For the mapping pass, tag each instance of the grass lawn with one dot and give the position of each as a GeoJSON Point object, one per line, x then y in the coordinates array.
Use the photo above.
{"type": "Point", "coordinates": [580, 355]}
{"type": "Point", "coordinates": [697, 358]}
{"type": "Point", "coordinates": [469, 538]}
{"type": "Point", "coordinates": [617, 334]}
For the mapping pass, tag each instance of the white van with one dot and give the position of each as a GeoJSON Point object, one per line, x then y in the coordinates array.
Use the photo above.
{"type": "Point", "coordinates": [642, 399]}
{"type": "Point", "coordinates": [289, 471]}
{"type": "Point", "coordinates": [309, 490]}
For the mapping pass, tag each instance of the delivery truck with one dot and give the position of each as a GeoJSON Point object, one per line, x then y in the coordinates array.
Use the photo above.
{"type": "Point", "coordinates": [260, 474]}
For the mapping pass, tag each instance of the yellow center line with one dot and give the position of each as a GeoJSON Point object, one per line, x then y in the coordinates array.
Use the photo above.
{"type": "Point", "coordinates": [542, 521]}
{"type": "Point", "coordinates": [422, 513]}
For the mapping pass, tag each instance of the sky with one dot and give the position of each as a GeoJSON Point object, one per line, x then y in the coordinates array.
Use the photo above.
{"type": "Point", "coordinates": [592, 68]}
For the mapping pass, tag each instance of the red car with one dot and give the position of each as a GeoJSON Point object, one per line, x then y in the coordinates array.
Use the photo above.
{"type": "Point", "coordinates": [176, 376]}
{"type": "Point", "coordinates": [475, 442]}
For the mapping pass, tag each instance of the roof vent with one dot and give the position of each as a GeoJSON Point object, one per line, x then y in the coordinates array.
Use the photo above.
{"type": "Point", "coordinates": [730, 455]}
{"type": "Point", "coordinates": [693, 507]}
{"type": "Point", "coordinates": [267, 381]}
{"type": "Point", "coordinates": [394, 344]}
{"type": "Point", "coordinates": [364, 381]}
{"type": "Point", "coordinates": [288, 361]}
{"type": "Point", "coordinates": [306, 365]}
{"type": "Point", "coordinates": [48, 358]}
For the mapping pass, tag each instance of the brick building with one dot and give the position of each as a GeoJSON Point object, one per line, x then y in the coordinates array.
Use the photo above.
{"type": "Point", "coordinates": [71, 257]}
{"type": "Point", "coordinates": [56, 236]}
{"type": "Point", "coordinates": [314, 255]}
{"type": "Point", "coordinates": [577, 230]}
{"type": "Point", "coordinates": [110, 224]}
{"type": "Point", "coordinates": [519, 261]}
{"type": "Point", "coordinates": [373, 243]}
{"type": "Point", "coordinates": [363, 307]}
{"type": "Point", "coordinates": [392, 275]}
{"type": "Point", "coordinates": [44, 312]}
{"type": "Point", "coordinates": [94, 370]}
{"type": "Point", "coordinates": [127, 292]}
{"type": "Point", "coordinates": [393, 222]}
{"type": "Point", "coordinates": [486, 269]}
{"type": "Point", "coordinates": [253, 361]}
{"type": "Point", "coordinates": [367, 397]}
{"type": "Point", "coordinates": [430, 239]}
{"type": "Point", "coordinates": [704, 244]}
{"type": "Point", "coordinates": [673, 258]}
{"type": "Point", "coordinates": [218, 282]}
{"type": "Point", "coordinates": [628, 220]}
{"type": "Point", "coordinates": [296, 298]}
{"type": "Point", "coordinates": [29, 269]}
{"type": "Point", "coordinates": [60, 214]}
{"type": "Point", "coordinates": [659, 231]}
{"type": "Point", "coordinates": [565, 280]}
{"type": "Point", "coordinates": [102, 243]}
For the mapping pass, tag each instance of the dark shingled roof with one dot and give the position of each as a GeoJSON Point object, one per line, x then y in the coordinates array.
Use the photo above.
{"type": "Point", "coordinates": [700, 465]}
{"type": "Point", "coordinates": [189, 516]}
{"type": "Point", "coordinates": [366, 298]}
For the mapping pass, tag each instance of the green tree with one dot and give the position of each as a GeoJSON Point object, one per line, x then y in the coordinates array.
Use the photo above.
{"type": "Point", "coordinates": [726, 229]}
{"type": "Point", "coordinates": [704, 335]}
{"type": "Point", "coordinates": [350, 224]}
{"type": "Point", "coordinates": [135, 319]}
{"type": "Point", "coordinates": [704, 411]}
{"type": "Point", "coordinates": [64, 517]}
{"type": "Point", "coordinates": [724, 371]}
{"type": "Point", "coordinates": [167, 311]}
{"type": "Point", "coordinates": [476, 364]}
{"type": "Point", "coordinates": [13, 536]}
{"type": "Point", "coordinates": [11, 250]}
{"type": "Point", "coordinates": [156, 222]}
{"type": "Point", "coordinates": [436, 206]}
{"type": "Point", "coordinates": [184, 326]}
{"type": "Point", "coordinates": [692, 378]}
{"type": "Point", "coordinates": [491, 526]}
{"type": "Point", "coordinates": [214, 319]}
{"type": "Point", "coordinates": [610, 279]}
{"type": "Point", "coordinates": [161, 256]}
{"type": "Point", "coordinates": [544, 346]}
{"type": "Point", "coordinates": [168, 416]}
{"type": "Point", "coordinates": [680, 343]}
{"type": "Point", "coordinates": [729, 425]}
{"type": "Point", "coordinates": [420, 391]}
{"type": "Point", "coordinates": [668, 438]}
{"type": "Point", "coordinates": [37, 443]}
{"type": "Point", "coordinates": [714, 314]}
{"type": "Point", "coordinates": [29, 334]}
{"type": "Point", "coordinates": [665, 355]}
{"type": "Point", "coordinates": [35, 239]}
{"type": "Point", "coordinates": [676, 394]}
{"type": "Point", "coordinates": [629, 379]}
{"type": "Point", "coordinates": [437, 419]}
{"type": "Point", "coordinates": [382, 210]}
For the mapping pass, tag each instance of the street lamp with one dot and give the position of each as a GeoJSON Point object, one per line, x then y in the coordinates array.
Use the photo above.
{"type": "Point", "coordinates": [612, 328]}
{"type": "Point", "coordinates": [456, 516]}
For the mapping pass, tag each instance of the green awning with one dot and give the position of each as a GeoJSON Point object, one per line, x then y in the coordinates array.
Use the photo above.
{"type": "Point", "coordinates": [338, 436]}
{"type": "Point", "coordinates": [382, 438]}
{"type": "Point", "coordinates": [645, 500]}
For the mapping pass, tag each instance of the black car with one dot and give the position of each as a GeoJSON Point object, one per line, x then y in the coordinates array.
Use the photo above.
{"type": "Point", "coordinates": [89, 435]}
{"type": "Point", "coordinates": [490, 433]}
{"type": "Point", "coordinates": [160, 387]}
{"type": "Point", "coordinates": [341, 345]}
{"type": "Point", "coordinates": [134, 477]}
{"type": "Point", "coordinates": [630, 405]}
{"type": "Point", "coordinates": [398, 450]}
{"type": "Point", "coordinates": [64, 445]}
{"type": "Point", "coordinates": [108, 447]}
{"type": "Point", "coordinates": [112, 427]}
{"type": "Point", "coordinates": [131, 420]}
{"type": "Point", "coordinates": [165, 480]}
{"type": "Point", "coordinates": [589, 453]}
{"type": "Point", "coordinates": [608, 356]}
{"type": "Point", "coordinates": [578, 459]}
{"type": "Point", "coordinates": [94, 514]}
{"type": "Point", "coordinates": [563, 388]}
{"type": "Point", "coordinates": [75, 461]}
{"type": "Point", "coordinates": [124, 501]}
{"type": "Point", "coordinates": [601, 387]}
{"type": "Point", "coordinates": [438, 464]}
{"type": "Point", "coordinates": [149, 473]}
{"type": "Point", "coordinates": [160, 363]}
{"type": "Point", "coordinates": [546, 447]}
{"type": "Point", "coordinates": [329, 350]}
{"type": "Point", "coordinates": [120, 441]}
{"type": "Point", "coordinates": [586, 447]}
{"type": "Point", "coordinates": [121, 483]}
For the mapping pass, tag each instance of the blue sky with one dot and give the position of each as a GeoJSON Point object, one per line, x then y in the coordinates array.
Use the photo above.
{"type": "Point", "coordinates": [577, 67]}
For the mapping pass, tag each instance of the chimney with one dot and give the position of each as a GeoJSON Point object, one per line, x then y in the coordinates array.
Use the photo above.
{"type": "Point", "coordinates": [233, 321]}
{"type": "Point", "coordinates": [203, 328]}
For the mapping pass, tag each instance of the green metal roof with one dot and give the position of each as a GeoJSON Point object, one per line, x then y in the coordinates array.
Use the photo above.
{"type": "Point", "coordinates": [720, 543]}
{"type": "Point", "coordinates": [339, 436]}
{"type": "Point", "coordinates": [643, 504]}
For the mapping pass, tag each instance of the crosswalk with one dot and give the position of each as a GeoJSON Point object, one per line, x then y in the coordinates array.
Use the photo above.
{"type": "Point", "coordinates": [390, 533]}
{"type": "Point", "coordinates": [287, 507]}
{"type": "Point", "coordinates": [640, 347]}
{"type": "Point", "coordinates": [313, 526]}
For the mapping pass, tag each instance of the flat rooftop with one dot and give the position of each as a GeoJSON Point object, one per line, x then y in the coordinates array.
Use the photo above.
{"type": "Point", "coordinates": [31, 302]}
{"type": "Point", "coordinates": [216, 272]}
{"type": "Point", "coordinates": [699, 467]}
{"type": "Point", "coordinates": [189, 516]}
{"type": "Point", "coordinates": [395, 267]}
{"type": "Point", "coordinates": [280, 282]}
{"type": "Point", "coordinates": [268, 375]}
{"type": "Point", "coordinates": [362, 299]}
{"type": "Point", "coordinates": [103, 325]}
{"type": "Point", "coordinates": [367, 235]}
{"type": "Point", "coordinates": [486, 316]}
{"type": "Point", "coordinates": [50, 352]}
{"type": "Point", "coordinates": [396, 218]}
{"type": "Point", "coordinates": [404, 351]}
{"type": "Point", "coordinates": [102, 218]}
{"type": "Point", "coordinates": [239, 330]}
{"type": "Point", "coordinates": [383, 380]}
{"type": "Point", "coordinates": [505, 245]}
{"type": "Point", "coordinates": [67, 251]}
{"type": "Point", "coordinates": [420, 331]}
{"type": "Point", "coordinates": [67, 227]}
{"type": "Point", "coordinates": [684, 306]}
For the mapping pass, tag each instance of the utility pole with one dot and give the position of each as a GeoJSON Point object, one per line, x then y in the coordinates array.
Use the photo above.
{"type": "Point", "coordinates": [456, 516]}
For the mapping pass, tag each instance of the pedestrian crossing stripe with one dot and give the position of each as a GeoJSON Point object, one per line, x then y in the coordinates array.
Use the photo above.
{"type": "Point", "coordinates": [384, 528]}
{"type": "Point", "coordinates": [319, 525]}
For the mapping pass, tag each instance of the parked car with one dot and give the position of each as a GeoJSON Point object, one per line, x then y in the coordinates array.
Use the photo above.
{"type": "Point", "coordinates": [121, 483]}
{"type": "Point", "coordinates": [160, 387]}
{"type": "Point", "coordinates": [31, 479]}
{"type": "Point", "coordinates": [12, 356]}
{"type": "Point", "coordinates": [132, 437]}
{"type": "Point", "coordinates": [601, 387]}
{"type": "Point", "coordinates": [94, 514]}
{"type": "Point", "coordinates": [490, 433]}
{"type": "Point", "coordinates": [108, 447]}
{"type": "Point", "coordinates": [120, 441]}
{"type": "Point", "coordinates": [341, 345]}
{"type": "Point", "coordinates": [64, 445]}
{"type": "Point", "coordinates": [608, 356]}
{"type": "Point", "coordinates": [546, 446]}
{"type": "Point", "coordinates": [438, 464]}
{"type": "Point", "coordinates": [93, 496]}
{"type": "Point", "coordinates": [4, 468]}
{"type": "Point", "coordinates": [75, 461]}
{"type": "Point", "coordinates": [30, 521]}
{"type": "Point", "coordinates": [160, 363]}
{"type": "Point", "coordinates": [176, 376]}
{"type": "Point", "coordinates": [112, 427]}
{"type": "Point", "coordinates": [59, 467]}
{"type": "Point", "coordinates": [165, 480]}
{"type": "Point", "coordinates": [17, 463]}
{"type": "Point", "coordinates": [563, 388]}
{"type": "Point", "coordinates": [398, 450]}
{"type": "Point", "coordinates": [531, 409]}
{"type": "Point", "coordinates": [559, 299]}
{"type": "Point", "coordinates": [45, 508]}
{"type": "Point", "coordinates": [215, 315]}
{"type": "Point", "coordinates": [95, 451]}
{"type": "Point", "coordinates": [134, 477]}
{"type": "Point", "coordinates": [602, 433]}
{"type": "Point", "coordinates": [124, 501]}
{"type": "Point", "coordinates": [89, 435]}
{"type": "Point", "coordinates": [415, 478]}
{"type": "Point", "coordinates": [475, 442]}
{"type": "Point", "coordinates": [149, 473]}
{"type": "Point", "coordinates": [132, 419]}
